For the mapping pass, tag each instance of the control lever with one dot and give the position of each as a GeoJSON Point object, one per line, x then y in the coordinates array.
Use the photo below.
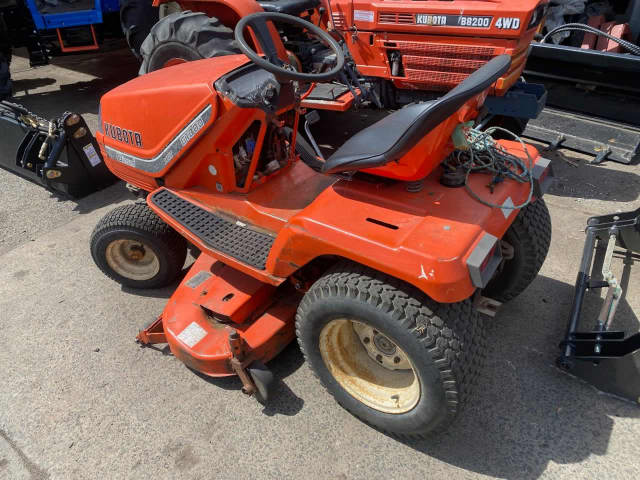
{"type": "Point", "coordinates": [309, 119]}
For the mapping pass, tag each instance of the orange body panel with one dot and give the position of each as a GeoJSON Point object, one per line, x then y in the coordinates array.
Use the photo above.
{"type": "Point", "coordinates": [423, 238]}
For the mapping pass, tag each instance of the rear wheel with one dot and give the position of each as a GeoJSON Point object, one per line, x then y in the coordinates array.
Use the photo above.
{"type": "Point", "coordinates": [525, 246]}
{"type": "Point", "coordinates": [136, 19]}
{"type": "Point", "coordinates": [387, 353]}
{"type": "Point", "coordinates": [184, 37]}
{"type": "Point", "coordinates": [134, 247]}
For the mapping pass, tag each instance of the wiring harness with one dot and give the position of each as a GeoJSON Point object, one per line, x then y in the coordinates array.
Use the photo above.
{"type": "Point", "coordinates": [479, 153]}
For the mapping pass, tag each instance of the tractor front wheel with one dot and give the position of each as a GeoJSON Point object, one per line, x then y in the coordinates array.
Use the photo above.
{"type": "Point", "coordinates": [387, 353]}
{"type": "Point", "coordinates": [185, 37]}
{"type": "Point", "coordinates": [134, 247]}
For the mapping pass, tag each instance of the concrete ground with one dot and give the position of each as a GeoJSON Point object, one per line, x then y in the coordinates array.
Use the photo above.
{"type": "Point", "coordinates": [79, 399]}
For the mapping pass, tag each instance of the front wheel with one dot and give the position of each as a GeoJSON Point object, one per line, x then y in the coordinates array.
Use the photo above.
{"type": "Point", "coordinates": [387, 353]}
{"type": "Point", "coordinates": [134, 247]}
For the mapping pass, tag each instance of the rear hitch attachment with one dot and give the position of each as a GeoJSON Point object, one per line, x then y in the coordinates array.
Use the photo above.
{"type": "Point", "coordinates": [603, 357]}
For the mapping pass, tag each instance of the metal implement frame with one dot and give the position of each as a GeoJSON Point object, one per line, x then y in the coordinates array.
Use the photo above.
{"type": "Point", "coordinates": [602, 356]}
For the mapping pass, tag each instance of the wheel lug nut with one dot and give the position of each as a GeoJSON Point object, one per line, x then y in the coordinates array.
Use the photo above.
{"type": "Point", "coordinates": [366, 339]}
{"type": "Point", "coordinates": [379, 358]}
{"type": "Point", "coordinates": [396, 359]}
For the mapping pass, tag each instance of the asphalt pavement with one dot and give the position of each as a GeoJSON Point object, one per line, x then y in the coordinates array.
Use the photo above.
{"type": "Point", "coordinates": [80, 400]}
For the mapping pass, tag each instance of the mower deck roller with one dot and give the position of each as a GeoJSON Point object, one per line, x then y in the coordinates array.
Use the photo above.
{"type": "Point", "coordinates": [372, 259]}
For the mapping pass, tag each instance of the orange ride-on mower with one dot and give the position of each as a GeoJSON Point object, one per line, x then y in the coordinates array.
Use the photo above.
{"type": "Point", "coordinates": [377, 258]}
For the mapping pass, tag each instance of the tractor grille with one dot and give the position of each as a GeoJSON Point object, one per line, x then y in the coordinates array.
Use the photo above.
{"type": "Point", "coordinates": [435, 66]}
{"type": "Point", "coordinates": [397, 18]}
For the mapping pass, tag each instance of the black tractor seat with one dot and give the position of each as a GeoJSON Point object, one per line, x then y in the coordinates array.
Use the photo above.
{"type": "Point", "coordinates": [392, 137]}
{"type": "Point", "coordinates": [290, 7]}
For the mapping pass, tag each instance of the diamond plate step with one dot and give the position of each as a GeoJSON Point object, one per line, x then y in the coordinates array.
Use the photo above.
{"type": "Point", "coordinates": [239, 242]}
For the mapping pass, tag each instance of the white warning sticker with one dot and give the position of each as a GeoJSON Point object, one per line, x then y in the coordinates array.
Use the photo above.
{"type": "Point", "coordinates": [507, 207]}
{"type": "Point", "coordinates": [192, 334]}
{"type": "Point", "coordinates": [92, 155]}
{"type": "Point", "coordinates": [363, 15]}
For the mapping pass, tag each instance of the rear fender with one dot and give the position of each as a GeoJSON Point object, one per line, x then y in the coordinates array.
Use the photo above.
{"type": "Point", "coordinates": [440, 239]}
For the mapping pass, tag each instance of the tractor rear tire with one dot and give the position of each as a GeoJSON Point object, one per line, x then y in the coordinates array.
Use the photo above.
{"type": "Point", "coordinates": [185, 36]}
{"type": "Point", "coordinates": [134, 247]}
{"type": "Point", "coordinates": [136, 19]}
{"type": "Point", "coordinates": [388, 354]}
{"type": "Point", "coordinates": [530, 236]}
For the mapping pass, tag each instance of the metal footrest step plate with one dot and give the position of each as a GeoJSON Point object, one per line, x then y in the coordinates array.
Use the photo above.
{"type": "Point", "coordinates": [237, 241]}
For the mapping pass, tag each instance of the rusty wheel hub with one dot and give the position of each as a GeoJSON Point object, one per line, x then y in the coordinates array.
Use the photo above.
{"type": "Point", "coordinates": [369, 365]}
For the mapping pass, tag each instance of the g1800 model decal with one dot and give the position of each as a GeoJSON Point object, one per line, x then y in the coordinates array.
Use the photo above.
{"type": "Point", "coordinates": [472, 21]}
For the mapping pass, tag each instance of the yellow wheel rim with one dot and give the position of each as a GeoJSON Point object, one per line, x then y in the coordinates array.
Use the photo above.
{"type": "Point", "coordinates": [132, 259]}
{"type": "Point", "coordinates": [369, 366]}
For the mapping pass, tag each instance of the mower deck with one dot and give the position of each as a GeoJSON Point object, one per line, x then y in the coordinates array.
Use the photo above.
{"type": "Point", "coordinates": [213, 302]}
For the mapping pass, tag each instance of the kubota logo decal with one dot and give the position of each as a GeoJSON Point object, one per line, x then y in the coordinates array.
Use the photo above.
{"type": "Point", "coordinates": [123, 135]}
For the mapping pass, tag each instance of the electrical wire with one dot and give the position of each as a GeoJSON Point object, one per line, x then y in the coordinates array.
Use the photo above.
{"type": "Point", "coordinates": [484, 155]}
{"type": "Point", "coordinates": [588, 28]}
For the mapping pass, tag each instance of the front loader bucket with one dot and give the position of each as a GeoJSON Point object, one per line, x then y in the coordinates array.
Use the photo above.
{"type": "Point", "coordinates": [604, 357]}
{"type": "Point", "coordinates": [62, 155]}
{"type": "Point", "coordinates": [615, 370]}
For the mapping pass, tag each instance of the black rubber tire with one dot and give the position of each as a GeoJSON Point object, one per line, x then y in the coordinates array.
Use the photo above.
{"type": "Point", "coordinates": [530, 237]}
{"type": "Point", "coordinates": [186, 35]}
{"type": "Point", "coordinates": [136, 19]}
{"type": "Point", "coordinates": [445, 343]}
{"type": "Point", "coordinates": [137, 221]}
{"type": "Point", "coordinates": [6, 87]}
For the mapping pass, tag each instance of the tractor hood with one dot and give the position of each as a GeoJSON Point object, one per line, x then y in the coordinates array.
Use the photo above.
{"type": "Point", "coordinates": [146, 122]}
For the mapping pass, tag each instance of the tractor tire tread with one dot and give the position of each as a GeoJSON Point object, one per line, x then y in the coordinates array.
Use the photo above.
{"type": "Point", "coordinates": [139, 217]}
{"type": "Point", "coordinates": [195, 30]}
{"type": "Point", "coordinates": [137, 17]}
{"type": "Point", "coordinates": [451, 333]}
{"type": "Point", "coordinates": [532, 229]}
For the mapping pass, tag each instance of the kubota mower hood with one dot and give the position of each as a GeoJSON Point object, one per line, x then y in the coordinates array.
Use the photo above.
{"type": "Point", "coordinates": [146, 122]}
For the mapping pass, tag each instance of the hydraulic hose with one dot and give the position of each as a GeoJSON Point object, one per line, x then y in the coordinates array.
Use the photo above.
{"type": "Point", "coordinates": [635, 49]}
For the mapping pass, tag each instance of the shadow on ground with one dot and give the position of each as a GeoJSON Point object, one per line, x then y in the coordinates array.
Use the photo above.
{"type": "Point", "coordinates": [528, 413]}
{"type": "Point", "coordinates": [282, 400]}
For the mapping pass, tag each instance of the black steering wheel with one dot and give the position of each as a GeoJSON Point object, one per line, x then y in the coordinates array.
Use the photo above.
{"type": "Point", "coordinates": [271, 62]}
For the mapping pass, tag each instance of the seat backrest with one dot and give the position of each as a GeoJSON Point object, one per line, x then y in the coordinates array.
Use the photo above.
{"type": "Point", "coordinates": [444, 107]}
{"type": "Point", "coordinates": [389, 139]}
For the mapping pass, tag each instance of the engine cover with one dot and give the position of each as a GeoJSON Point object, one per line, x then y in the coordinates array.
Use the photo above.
{"type": "Point", "coordinates": [149, 121]}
